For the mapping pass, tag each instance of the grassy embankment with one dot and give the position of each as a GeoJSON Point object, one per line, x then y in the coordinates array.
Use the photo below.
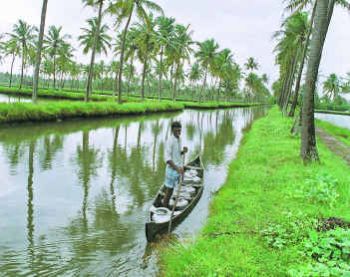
{"type": "Point", "coordinates": [22, 112]}
{"type": "Point", "coordinates": [79, 96]}
{"type": "Point", "coordinates": [263, 221]}
{"type": "Point", "coordinates": [333, 112]}
{"type": "Point", "coordinates": [340, 133]}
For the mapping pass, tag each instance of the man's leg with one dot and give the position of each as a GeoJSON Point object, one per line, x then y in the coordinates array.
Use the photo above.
{"type": "Point", "coordinates": [167, 196]}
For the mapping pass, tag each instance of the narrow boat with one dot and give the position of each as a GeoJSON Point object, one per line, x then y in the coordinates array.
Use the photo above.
{"type": "Point", "coordinates": [191, 192]}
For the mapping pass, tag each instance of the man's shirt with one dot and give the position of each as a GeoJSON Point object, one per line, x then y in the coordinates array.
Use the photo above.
{"type": "Point", "coordinates": [173, 151]}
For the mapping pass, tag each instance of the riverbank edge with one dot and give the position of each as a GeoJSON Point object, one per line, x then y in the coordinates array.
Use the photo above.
{"type": "Point", "coordinates": [332, 112]}
{"type": "Point", "coordinates": [259, 193]}
{"type": "Point", "coordinates": [28, 112]}
{"type": "Point", "coordinates": [340, 133]}
{"type": "Point", "coordinates": [79, 96]}
{"type": "Point", "coordinates": [53, 94]}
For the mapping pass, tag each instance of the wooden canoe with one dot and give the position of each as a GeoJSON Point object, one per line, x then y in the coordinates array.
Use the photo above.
{"type": "Point", "coordinates": [154, 228]}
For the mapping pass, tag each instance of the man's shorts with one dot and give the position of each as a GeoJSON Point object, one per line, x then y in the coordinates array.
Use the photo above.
{"type": "Point", "coordinates": [172, 178]}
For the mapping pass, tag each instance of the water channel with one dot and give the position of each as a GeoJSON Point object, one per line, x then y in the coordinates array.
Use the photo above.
{"type": "Point", "coordinates": [338, 120]}
{"type": "Point", "coordinates": [74, 196]}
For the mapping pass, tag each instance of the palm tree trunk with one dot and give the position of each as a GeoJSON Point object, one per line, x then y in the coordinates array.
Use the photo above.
{"type": "Point", "coordinates": [54, 71]}
{"type": "Point", "coordinates": [130, 74]}
{"type": "Point", "coordinates": [93, 53]}
{"type": "Point", "coordinates": [144, 71]}
{"type": "Point", "coordinates": [324, 11]}
{"type": "Point", "coordinates": [122, 56]}
{"type": "Point", "coordinates": [301, 68]}
{"type": "Point", "coordinates": [175, 82]}
{"type": "Point", "coordinates": [204, 84]}
{"type": "Point", "coordinates": [38, 53]}
{"type": "Point", "coordinates": [22, 67]}
{"type": "Point", "coordinates": [160, 74]}
{"type": "Point", "coordinates": [11, 72]}
{"type": "Point", "coordinates": [290, 82]}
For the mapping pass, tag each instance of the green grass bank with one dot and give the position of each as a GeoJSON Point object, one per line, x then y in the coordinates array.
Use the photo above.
{"type": "Point", "coordinates": [265, 219]}
{"type": "Point", "coordinates": [79, 96]}
{"type": "Point", "coordinates": [340, 133]}
{"type": "Point", "coordinates": [333, 112]}
{"type": "Point", "coordinates": [24, 112]}
{"type": "Point", "coordinates": [217, 105]}
{"type": "Point", "coordinates": [51, 94]}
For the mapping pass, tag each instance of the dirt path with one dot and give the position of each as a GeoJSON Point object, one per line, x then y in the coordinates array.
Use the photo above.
{"type": "Point", "coordinates": [334, 145]}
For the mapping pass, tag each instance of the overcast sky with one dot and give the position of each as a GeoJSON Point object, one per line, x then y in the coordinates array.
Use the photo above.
{"type": "Point", "coordinates": [246, 27]}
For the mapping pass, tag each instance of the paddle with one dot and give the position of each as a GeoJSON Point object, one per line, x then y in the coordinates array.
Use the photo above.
{"type": "Point", "coordinates": [177, 197]}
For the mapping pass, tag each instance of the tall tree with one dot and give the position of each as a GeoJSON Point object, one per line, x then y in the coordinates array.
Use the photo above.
{"type": "Point", "coordinates": [39, 49]}
{"type": "Point", "coordinates": [206, 56]}
{"type": "Point", "coordinates": [323, 15]}
{"type": "Point", "coordinates": [165, 33]}
{"type": "Point", "coordinates": [332, 86]}
{"type": "Point", "coordinates": [22, 35]}
{"type": "Point", "coordinates": [11, 48]}
{"type": "Point", "coordinates": [124, 10]}
{"type": "Point", "coordinates": [99, 5]}
{"type": "Point", "coordinates": [54, 41]}
{"type": "Point", "coordinates": [181, 52]}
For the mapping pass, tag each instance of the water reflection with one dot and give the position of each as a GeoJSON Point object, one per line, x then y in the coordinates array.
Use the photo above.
{"type": "Point", "coordinates": [90, 184]}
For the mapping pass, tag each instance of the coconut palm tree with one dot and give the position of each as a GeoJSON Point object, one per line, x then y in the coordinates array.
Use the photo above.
{"type": "Point", "coordinates": [332, 86]}
{"type": "Point", "coordinates": [206, 56]}
{"type": "Point", "coordinates": [251, 64]}
{"type": "Point", "coordinates": [124, 10]}
{"type": "Point", "coordinates": [54, 41]}
{"type": "Point", "coordinates": [11, 48]}
{"type": "Point", "coordinates": [323, 15]}
{"type": "Point", "coordinates": [165, 33]}
{"type": "Point", "coordinates": [181, 51]}
{"type": "Point", "coordinates": [39, 49]}
{"type": "Point", "coordinates": [22, 35]}
{"type": "Point", "coordinates": [98, 45]}
{"type": "Point", "coordinates": [222, 66]}
{"type": "Point", "coordinates": [146, 47]}
{"type": "Point", "coordinates": [291, 40]}
{"type": "Point", "coordinates": [194, 76]}
{"type": "Point", "coordinates": [297, 6]}
{"type": "Point", "coordinates": [95, 40]}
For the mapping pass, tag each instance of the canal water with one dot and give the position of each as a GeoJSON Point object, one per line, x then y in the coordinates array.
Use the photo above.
{"type": "Point", "coordinates": [74, 196]}
{"type": "Point", "coordinates": [338, 120]}
{"type": "Point", "coordinates": [4, 98]}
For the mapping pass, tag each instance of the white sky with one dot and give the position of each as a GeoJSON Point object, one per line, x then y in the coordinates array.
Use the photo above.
{"type": "Point", "coordinates": [246, 27]}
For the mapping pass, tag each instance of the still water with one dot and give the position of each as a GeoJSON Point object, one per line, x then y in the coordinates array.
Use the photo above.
{"type": "Point", "coordinates": [338, 120]}
{"type": "Point", "coordinates": [74, 196]}
{"type": "Point", "coordinates": [4, 98]}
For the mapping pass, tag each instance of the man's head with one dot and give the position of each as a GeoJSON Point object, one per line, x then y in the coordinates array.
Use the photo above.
{"type": "Point", "coordinates": [176, 128]}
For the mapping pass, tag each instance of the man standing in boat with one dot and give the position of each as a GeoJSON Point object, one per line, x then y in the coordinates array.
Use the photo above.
{"type": "Point", "coordinates": [174, 161]}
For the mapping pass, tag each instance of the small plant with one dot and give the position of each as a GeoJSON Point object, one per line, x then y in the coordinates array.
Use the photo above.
{"type": "Point", "coordinates": [294, 230]}
{"type": "Point", "coordinates": [321, 189]}
{"type": "Point", "coordinates": [329, 250]}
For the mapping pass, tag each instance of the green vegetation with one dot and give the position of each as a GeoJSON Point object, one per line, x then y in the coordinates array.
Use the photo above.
{"type": "Point", "coordinates": [341, 134]}
{"type": "Point", "coordinates": [22, 112]}
{"type": "Point", "coordinates": [173, 65]}
{"type": "Point", "coordinates": [216, 105]}
{"type": "Point", "coordinates": [264, 220]}
{"type": "Point", "coordinates": [50, 93]}
{"type": "Point", "coordinates": [332, 112]}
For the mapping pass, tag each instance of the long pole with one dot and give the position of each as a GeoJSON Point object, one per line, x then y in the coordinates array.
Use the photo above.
{"type": "Point", "coordinates": [177, 198]}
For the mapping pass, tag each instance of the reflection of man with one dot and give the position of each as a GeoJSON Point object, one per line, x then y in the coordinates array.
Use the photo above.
{"type": "Point", "coordinates": [173, 158]}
